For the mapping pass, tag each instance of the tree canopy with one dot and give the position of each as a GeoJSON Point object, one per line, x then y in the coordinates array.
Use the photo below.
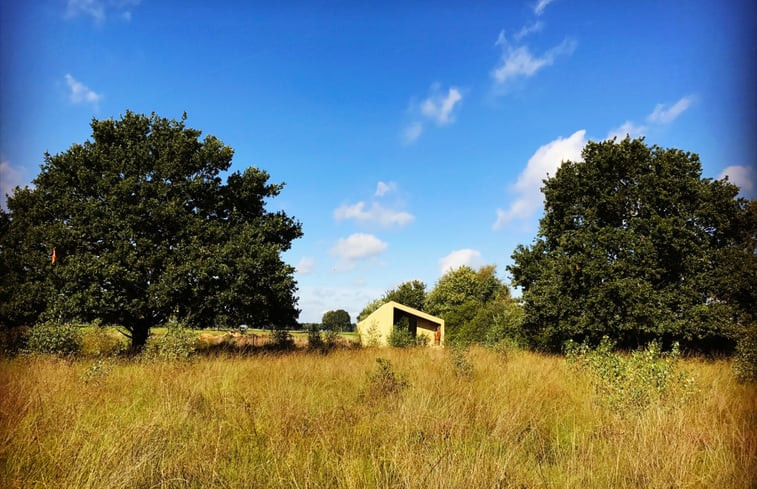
{"type": "Point", "coordinates": [143, 228]}
{"type": "Point", "coordinates": [338, 320]}
{"type": "Point", "coordinates": [470, 302]}
{"type": "Point", "coordinates": [411, 293]}
{"type": "Point", "coordinates": [636, 245]}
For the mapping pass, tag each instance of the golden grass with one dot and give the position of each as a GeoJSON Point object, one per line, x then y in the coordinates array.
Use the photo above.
{"type": "Point", "coordinates": [304, 420]}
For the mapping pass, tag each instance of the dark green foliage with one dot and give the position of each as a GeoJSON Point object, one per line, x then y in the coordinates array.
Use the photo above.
{"type": "Point", "coordinates": [144, 228]}
{"type": "Point", "coordinates": [315, 339]}
{"type": "Point", "coordinates": [281, 339]}
{"type": "Point", "coordinates": [336, 321]}
{"type": "Point", "coordinates": [411, 293]}
{"type": "Point", "coordinates": [635, 245]}
{"type": "Point", "coordinates": [54, 338]}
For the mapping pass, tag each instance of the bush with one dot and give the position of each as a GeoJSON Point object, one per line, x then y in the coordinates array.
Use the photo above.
{"type": "Point", "coordinates": [13, 340]}
{"type": "Point", "coordinates": [281, 339]}
{"type": "Point", "coordinates": [461, 364]}
{"type": "Point", "coordinates": [384, 381]}
{"type": "Point", "coordinates": [59, 339]}
{"type": "Point", "coordinates": [315, 340]}
{"type": "Point", "coordinates": [745, 361]}
{"type": "Point", "coordinates": [633, 382]}
{"type": "Point", "coordinates": [179, 343]}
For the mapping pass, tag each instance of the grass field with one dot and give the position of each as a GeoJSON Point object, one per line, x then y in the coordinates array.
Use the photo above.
{"type": "Point", "coordinates": [521, 420]}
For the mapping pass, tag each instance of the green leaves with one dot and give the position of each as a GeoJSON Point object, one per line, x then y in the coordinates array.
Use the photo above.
{"type": "Point", "coordinates": [145, 229]}
{"type": "Point", "coordinates": [632, 245]}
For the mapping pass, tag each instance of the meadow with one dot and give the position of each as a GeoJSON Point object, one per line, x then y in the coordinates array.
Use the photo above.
{"type": "Point", "coordinates": [437, 418]}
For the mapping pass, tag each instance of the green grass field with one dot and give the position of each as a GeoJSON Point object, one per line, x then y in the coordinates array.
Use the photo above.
{"type": "Point", "coordinates": [522, 420]}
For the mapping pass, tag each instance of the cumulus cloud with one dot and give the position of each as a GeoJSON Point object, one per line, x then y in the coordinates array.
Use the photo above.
{"type": "Point", "coordinates": [541, 5]}
{"type": "Point", "coordinates": [383, 188]}
{"type": "Point", "coordinates": [412, 132]}
{"type": "Point", "coordinates": [438, 107]}
{"type": "Point", "coordinates": [358, 246]}
{"type": "Point", "coordinates": [546, 160]}
{"type": "Point", "coordinates": [10, 178]}
{"type": "Point", "coordinates": [305, 265]}
{"type": "Point", "coordinates": [662, 114]}
{"type": "Point", "coordinates": [518, 60]}
{"type": "Point", "coordinates": [99, 9]}
{"type": "Point", "coordinates": [458, 258]}
{"type": "Point", "coordinates": [376, 214]}
{"type": "Point", "coordinates": [80, 93]}
{"type": "Point", "coordinates": [743, 176]}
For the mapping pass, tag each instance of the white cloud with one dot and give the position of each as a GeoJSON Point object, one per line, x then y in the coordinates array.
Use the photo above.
{"type": "Point", "coordinates": [628, 128]}
{"type": "Point", "coordinates": [665, 115]}
{"type": "Point", "coordinates": [80, 93]}
{"type": "Point", "coordinates": [383, 188]}
{"type": "Point", "coordinates": [10, 178]}
{"type": "Point", "coordinates": [358, 247]}
{"type": "Point", "coordinates": [743, 176]}
{"type": "Point", "coordinates": [546, 160]}
{"type": "Point", "coordinates": [412, 132]}
{"type": "Point", "coordinates": [458, 258]}
{"type": "Point", "coordinates": [98, 9]}
{"type": "Point", "coordinates": [518, 61]}
{"type": "Point", "coordinates": [541, 5]}
{"type": "Point", "coordinates": [439, 107]}
{"type": "Point", "coordinates": [305, 265]}
{"type": "Point", "coordinates": [377, 214]}
{"type": "Point", "coordinates": [523, 32]}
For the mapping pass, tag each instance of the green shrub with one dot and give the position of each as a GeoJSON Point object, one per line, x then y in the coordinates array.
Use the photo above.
{"type": "Point", "coordinates": [178, 343]}
{"type": "Point", "coordinates": [461, 364]}
{"type": "Point", "coordinates": [384, 381]}
{"type": "Point", "coordinates": [315, 340]}
{"type": "Point", "coordinates": [282, 339]}
{"type": "Point", "coordinates": [745, 361]}
{"type": "Point", "coordinates": [633, 382]}
{"type": "Point", "coordinates": [53, 338]}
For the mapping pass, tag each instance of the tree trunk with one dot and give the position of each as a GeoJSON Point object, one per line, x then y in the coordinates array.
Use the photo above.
{"type": "Point", "coordinates": [139, 335]}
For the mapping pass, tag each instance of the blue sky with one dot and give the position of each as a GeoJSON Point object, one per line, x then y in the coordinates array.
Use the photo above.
{"type": "Point", "coordinates": [412, 136]}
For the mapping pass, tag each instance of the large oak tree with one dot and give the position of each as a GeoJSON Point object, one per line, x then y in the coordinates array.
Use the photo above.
{"type": "Point", "coordinates": [144, 228]}
{"type": "Point", "coordinates": [635, 244]}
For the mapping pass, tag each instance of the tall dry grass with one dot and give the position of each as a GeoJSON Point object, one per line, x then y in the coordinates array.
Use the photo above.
{"type": "Point", "coordinates": [309, 420]}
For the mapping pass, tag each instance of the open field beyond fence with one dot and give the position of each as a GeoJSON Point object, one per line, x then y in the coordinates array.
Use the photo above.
{"type": "Point", "coordinates": [425, 418]}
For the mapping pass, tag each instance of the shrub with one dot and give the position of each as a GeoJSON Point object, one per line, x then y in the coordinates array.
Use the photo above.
{"type": "Point", "coordinates": [281, 339]}
{"type": "Point", "coordinates": [745, 361]}
{"type": "Point", "coordinates": [315, 340]}
{"type": "Point", "coordinates": [633, 382]}
{"type": "Point", "coordinates": [384, 381]}
{"type": "Point", "coordinates": [461, 364]}
{"type": "Point", "coordinates": [178, 343]}
{"type": "Point", "coordinates": [53, 338]}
